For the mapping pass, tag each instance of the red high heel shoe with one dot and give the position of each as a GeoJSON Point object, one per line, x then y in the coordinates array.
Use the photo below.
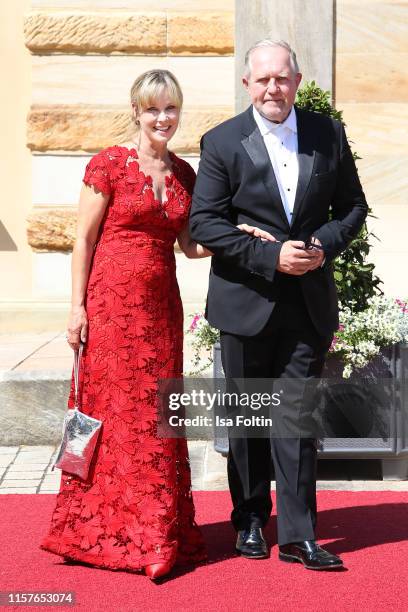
{"type": "Point", "coordinates": [157, 570]}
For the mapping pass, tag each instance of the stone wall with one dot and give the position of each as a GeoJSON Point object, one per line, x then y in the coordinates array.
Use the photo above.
{"type": "Point", "coordinates": [91, 128]}
{"type": "Point", "coordinates": [15, 166]}
{"type": "Point", "coordinates": [371, 86]}
{"type": "Point", "coordinates": [85, 56]}
{"type": "Point", "coordinates": [82, 56]}
{"type": "Point", "coordinates": [136, 33]}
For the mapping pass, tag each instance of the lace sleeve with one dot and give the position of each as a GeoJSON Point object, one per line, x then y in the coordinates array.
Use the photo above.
{"type": "Point", "coordinates": [97, 173]}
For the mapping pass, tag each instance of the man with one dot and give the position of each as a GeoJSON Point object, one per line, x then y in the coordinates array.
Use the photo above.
{"type": "Point", "coordinates": [289, 172]}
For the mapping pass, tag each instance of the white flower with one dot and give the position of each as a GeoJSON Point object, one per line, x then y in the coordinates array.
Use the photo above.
{"type": "Point", "coordinates": [347, 371]}
{"type": "Point", "coordinates": [360, 337]}
{"type": "Point", "coordinates": [362, 334]}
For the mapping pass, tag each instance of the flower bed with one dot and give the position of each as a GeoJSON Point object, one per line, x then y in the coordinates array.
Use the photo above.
{"type": "Point", "coordinates": [359, 339]}
{"type": "Point", "coordinates": [362, 335]}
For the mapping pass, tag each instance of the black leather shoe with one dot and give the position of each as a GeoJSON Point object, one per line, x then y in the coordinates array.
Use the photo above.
{"type": "Point", "coordinates": [310, 554]}
{"type": "Point", "coordinates": [251, 544]}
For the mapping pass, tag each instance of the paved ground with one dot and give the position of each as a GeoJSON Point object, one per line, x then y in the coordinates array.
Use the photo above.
{"type": "Point", "coordinates": [34, 352]}
{"type": "Point", "coordinates": [27, 469]}
{"type": "Point", "coordinates": [39, 353]}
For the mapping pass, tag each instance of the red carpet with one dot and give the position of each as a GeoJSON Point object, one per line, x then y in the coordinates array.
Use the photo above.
{"type": "Point", "coordinates": [369, 530]}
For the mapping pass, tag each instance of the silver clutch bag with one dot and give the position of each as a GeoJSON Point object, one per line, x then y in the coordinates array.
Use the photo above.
{"type": "Point", "coordinates": [80, 434]}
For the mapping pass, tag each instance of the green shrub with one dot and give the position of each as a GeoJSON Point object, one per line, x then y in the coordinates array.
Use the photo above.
{"type": "Point", "coordinates": [355, 278]}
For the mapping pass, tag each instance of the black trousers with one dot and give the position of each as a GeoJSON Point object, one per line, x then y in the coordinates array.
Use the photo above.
{"type": "Point", "coordinates": [288, 347]}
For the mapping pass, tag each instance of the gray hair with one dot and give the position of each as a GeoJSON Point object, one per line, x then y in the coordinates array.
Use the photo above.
{"type": "Point", "coordinates": [267, 42]}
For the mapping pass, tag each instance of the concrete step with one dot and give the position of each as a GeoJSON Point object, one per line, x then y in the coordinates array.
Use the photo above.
{"type": "Point", "coordinates": [33, 409]}
{"type": "Point", "coordinates": [35, 370]}
{"type": "Point", "coordinates": [35, 376]}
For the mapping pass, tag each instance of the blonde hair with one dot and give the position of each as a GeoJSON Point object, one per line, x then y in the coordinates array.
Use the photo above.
{"type": "Point", "coordinates": [149, 85]}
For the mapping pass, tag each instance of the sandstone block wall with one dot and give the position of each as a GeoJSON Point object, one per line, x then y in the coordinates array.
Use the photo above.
{"type": "Point", "coordinates": [82, 128]}
{"type": "Point", "coordinates": [85, 56]}
{"type": "Point", "coordinates": [141, 33]}
{"type": "Point", "coordinates": [81, 57]}
{"type": "Point", "coordinates": [371, 86]}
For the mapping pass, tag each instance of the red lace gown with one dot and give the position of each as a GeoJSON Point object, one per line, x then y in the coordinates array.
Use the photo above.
{"type": "Point", "coordinates": [136, 506]}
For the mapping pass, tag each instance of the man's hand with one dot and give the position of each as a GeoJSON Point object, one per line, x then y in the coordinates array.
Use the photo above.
{"type": "Point", "coordinates": [257, 232]}
{"type": "Point", "coordinates": [320, 251]}
{"type": "Point", "coordinates": [296, 260]}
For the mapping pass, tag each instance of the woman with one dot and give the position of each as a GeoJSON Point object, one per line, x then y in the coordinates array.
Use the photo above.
{"type": "Point", "coordinates": [135, 511]}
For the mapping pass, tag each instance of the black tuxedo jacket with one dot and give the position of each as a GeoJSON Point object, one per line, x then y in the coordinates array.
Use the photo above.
{"type": "Point", "coordinates": [236, 184]}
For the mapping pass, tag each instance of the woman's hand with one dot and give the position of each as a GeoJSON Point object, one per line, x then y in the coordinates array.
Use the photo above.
{"type": "Point", "coordinates": [77, 330]}
{"type": "Point", "coordinates": [258, 233]}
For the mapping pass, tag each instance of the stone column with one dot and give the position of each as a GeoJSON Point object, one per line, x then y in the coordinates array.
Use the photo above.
{"type": "Point", "coordinates": [308, 27]}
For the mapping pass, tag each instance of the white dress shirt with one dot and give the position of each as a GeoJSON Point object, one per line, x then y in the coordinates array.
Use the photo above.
{"type": "Point", "coordinates": [281, 142]}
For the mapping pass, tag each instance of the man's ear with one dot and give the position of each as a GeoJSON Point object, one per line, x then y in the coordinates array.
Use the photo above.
{"type": "Point", "coordinates": [245, 82]}
{"type": "Point", "coordinates": [298, 79]}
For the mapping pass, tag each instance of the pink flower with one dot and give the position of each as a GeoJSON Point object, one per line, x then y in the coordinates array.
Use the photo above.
{"type": "Point", "coordinates": [194, 322]}
{"type": "Point", "coordinates": [333, 344]}
{"type": "Point", "coordinates": [402, 305]}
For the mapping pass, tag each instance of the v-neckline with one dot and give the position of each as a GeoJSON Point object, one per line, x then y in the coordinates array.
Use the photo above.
{"type": "Point", "coordinates": [168, 178]}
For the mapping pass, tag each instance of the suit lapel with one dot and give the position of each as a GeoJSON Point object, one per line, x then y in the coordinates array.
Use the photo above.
{"type": "Point", "coordinates": [254, 145]}
{"type": "Point", "coordinates": [306, 158]}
